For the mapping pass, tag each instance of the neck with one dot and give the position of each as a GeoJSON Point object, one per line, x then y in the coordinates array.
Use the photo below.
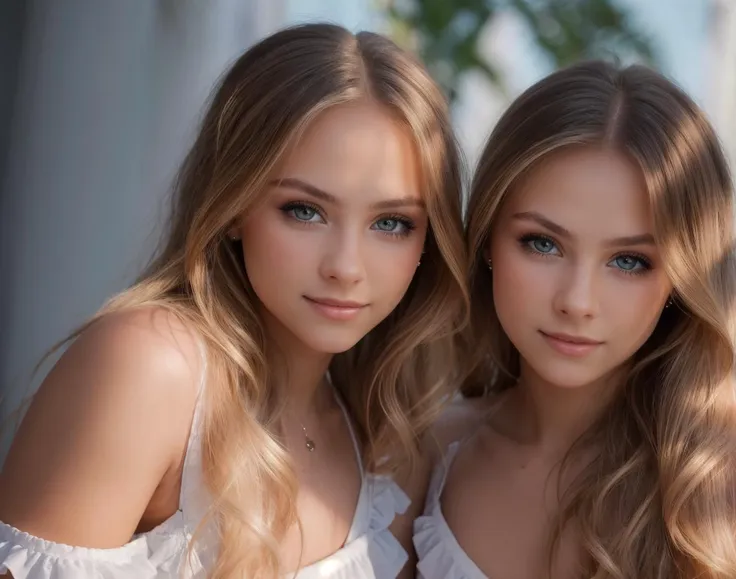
{"type": "Point", "coordinates": [305, 381]}
{"type": "Point", "coordinates": [302, 371]}
{"type": "Point", "coordinates": [554, 417]}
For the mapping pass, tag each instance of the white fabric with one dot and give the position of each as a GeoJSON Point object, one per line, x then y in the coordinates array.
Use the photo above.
{"type": "Point", "coordinates": [439, 554]}
{"type": "Point", "coordinates": [370, 552]}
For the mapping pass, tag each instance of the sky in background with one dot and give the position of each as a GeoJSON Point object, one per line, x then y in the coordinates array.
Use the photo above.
{"type": "Point", "coordinates": [680, 29]}
{"type": "Point", "coordinates": [353, 14]}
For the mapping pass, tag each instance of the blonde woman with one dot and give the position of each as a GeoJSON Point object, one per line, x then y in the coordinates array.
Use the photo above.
{"type": "Point", "coordinates": [601, 227]}
{"type": "Point", "coordinates": [250, 408]}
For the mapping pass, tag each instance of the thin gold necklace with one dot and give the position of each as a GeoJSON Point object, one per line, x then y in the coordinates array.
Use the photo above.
{"type": "Point", "coordinates": [308, 442]}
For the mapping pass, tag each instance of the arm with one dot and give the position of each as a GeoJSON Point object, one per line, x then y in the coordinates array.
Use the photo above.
{"type": "Point", "coordinates": [107, 423]}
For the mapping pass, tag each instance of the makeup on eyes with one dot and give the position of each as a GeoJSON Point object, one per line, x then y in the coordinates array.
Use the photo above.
{"type": "Point", "coordinates": [402, 220]}
{"type": "Point", "coordinates": [291, 208]}
{"type": "Point", "coordinates": [535, 244]}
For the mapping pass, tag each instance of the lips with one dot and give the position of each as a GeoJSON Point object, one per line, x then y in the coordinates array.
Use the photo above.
{"type": "Point", "coordinates": [572, 339]}
{"type": "Point", "coordinates": [569, 345]}
{"type": "Point", "coordinates": [336, 309]}
{"type": "Point", "coordinates": [335, 303]}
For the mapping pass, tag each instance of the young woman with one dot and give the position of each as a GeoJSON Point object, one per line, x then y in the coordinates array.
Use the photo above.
{"type": "Point", "coordinates": [601, 225]}
{"type": "Point", "coordinates": [241, 411]}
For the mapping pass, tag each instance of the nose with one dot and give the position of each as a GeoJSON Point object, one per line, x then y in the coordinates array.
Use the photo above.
{"type": "Point", "coordinates": [342, 260]}
{"type": "Point", "coordinates": [577, 294]}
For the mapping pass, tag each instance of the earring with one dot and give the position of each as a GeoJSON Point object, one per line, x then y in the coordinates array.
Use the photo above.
{"type": "Point", "coordinates": [668, 303]}
{"type": "Point", "coordinates": [490, 265]}
{"type": "Point", "coordinates": [420, 259]}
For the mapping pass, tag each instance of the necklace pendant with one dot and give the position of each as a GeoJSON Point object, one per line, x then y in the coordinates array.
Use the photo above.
{"type": "Point", "coordinates": [309, 443]}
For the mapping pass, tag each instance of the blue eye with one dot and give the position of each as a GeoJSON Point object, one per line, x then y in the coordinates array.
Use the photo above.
{"type": "Point", "coordinates": [302, 212]}
{"type": "Point", "coordinates": [630, 263]}
{"type": "Point", "coordinates": [389, 225]}
{"type": "Point", "coordinates": [540, 244]}
{"type": "Point", "coordinates": [399, 226]}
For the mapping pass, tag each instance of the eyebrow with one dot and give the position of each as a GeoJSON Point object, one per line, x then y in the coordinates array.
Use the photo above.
{"type": "Point", "coordinates": [642, 239]}
{"type": "Point", "coordinates": [316, 192]}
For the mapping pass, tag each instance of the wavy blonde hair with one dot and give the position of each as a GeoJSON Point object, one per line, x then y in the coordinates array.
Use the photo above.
{"type": "Point", "coordinates": [657, 501]}
{"type": "Point", "coordinates": [396, 377]}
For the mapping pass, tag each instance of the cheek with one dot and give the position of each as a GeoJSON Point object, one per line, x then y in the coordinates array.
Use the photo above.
{"type": "Point", "coordinates": [393, 264]}
{"type": "Point", "coordinates": [634, 307]}
{"type": "Point", "coordinates": [518, 284]}
{"type": "Point", "coordinates": [273, 252]}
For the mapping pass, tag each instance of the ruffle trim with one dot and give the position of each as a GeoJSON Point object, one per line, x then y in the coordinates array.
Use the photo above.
{"type": "Point", "coordinates": [28, 557]}
{"type": "Point", "coordinates": [377, 554]}
{"type": "Point", "coordinates": [161, 552]}
{"type": "Point", "coordinates": [440, 555]}
{"type": "Point", "coordinates": [387, 501]}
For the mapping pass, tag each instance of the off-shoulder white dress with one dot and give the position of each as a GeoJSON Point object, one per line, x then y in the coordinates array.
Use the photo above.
{"type": "Point", "coordinates": [370, 551]}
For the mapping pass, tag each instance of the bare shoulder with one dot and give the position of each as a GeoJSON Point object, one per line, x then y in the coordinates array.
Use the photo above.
{"type": "Point", "coordinates": [460, 419]}
{"type": "Point", "coordinates": [109, 420]}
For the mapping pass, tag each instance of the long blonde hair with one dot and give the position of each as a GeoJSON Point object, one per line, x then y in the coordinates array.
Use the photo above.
{"type": "Point", "coordinates": [393, 380]}
{"type": "Point", "coordinates": [657, 501]}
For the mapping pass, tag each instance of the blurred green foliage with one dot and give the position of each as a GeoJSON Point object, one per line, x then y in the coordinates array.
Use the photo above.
{"type": "Point", "coordinates": [445, 33]}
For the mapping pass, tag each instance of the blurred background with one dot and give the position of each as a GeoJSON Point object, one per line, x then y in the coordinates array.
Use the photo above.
{"type": "Point", "coordinates": [99, 100]}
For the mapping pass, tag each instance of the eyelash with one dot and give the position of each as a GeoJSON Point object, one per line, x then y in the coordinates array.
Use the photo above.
{"type": "Point", "coordinates": [292, 205]}
{"type": "Point", "coordinates": [408, 224]}
{"type": "Point", "coordinates": [525, 241]}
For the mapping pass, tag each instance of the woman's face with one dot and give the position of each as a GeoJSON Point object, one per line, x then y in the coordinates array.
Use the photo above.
{"type": "Point", "coordinates": [335, 244]}
{"type": "Point", "coordinates": [578, 282]}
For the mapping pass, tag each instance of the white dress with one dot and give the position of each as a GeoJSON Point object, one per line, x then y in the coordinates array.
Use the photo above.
{"type": "Point", "coordinates": [370, 551]}
{"type": "Point", "coordinates": [439, 554]}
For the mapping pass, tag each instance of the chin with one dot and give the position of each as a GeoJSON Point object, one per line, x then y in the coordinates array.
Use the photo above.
{"type": "Point", "coordinates": [564, 376]}
{"type": "Point", "coordinates": [326, 344]}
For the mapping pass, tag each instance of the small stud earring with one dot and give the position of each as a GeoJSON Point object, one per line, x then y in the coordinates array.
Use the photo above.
{"type": "Point", "coordinates": [490, 265]}
{"type": "Point", "coordinates": [668, 303]}
{"type": "Point", "coordinates": [420, 258]}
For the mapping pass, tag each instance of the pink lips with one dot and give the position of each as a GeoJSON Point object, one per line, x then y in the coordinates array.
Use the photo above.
{"type": "Point", "coordinates": [335, 309]}
{"type": "Point", "coordinates": [576, 346]}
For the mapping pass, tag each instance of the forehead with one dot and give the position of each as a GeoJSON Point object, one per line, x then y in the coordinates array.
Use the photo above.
{"type": "Point", "coordinates": [598, 192]}
{"type": "Point", "coordinates": [357, 149]}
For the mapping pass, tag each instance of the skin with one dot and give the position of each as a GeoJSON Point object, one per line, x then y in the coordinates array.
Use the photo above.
{"type": "Point", "coordinates": [343, 220]}
{"type": "Point", "coordinates": [94, 462]}
{"type": "Point", "coordinates": [500, 496]}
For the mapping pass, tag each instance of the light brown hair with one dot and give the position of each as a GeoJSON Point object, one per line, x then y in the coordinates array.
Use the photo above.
{"type": "Point", "coordinates": [395, 378]}
{"type": "Point", "coordinates": [657, 501]}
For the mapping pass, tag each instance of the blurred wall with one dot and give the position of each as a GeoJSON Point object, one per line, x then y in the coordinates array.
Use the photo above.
{"type": "Point", "coordinates": [12, 16]}
{"type": "Point", "coordinates": [98, 103]}
{"type": "Point", "coordinates": [721, 74]}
